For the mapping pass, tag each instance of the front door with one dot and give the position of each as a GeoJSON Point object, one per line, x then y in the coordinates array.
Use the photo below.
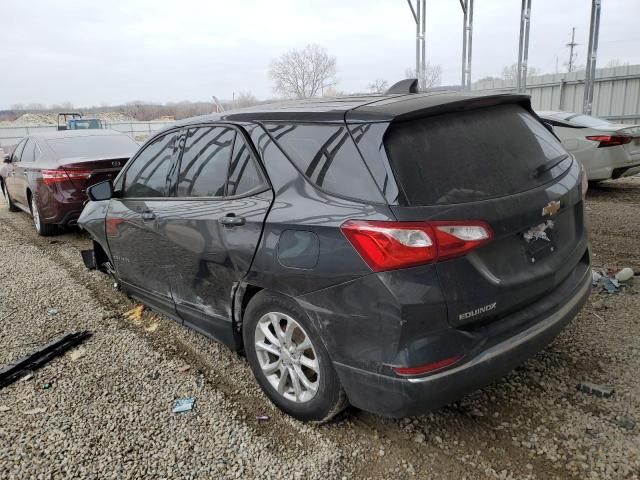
{"type": "Point", "coordinates": [134, 222]}
{"type": "Point", "coordinates": [213, 225]}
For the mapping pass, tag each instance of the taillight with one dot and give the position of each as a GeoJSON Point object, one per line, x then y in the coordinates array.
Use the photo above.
{"type": "Point", "coordinates": [55, 176]}
{"type": "Point", "coordinates": [391, 245]}
{"type": "Point", "coordinates": [610, 140]}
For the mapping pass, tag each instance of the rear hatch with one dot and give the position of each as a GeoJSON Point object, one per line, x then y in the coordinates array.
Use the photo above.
{"type": "Point", "coordinates": [499, 165]}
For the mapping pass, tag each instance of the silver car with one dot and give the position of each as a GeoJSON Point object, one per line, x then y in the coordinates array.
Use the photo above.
{"type": "Point", "coordinates": [606, 150]}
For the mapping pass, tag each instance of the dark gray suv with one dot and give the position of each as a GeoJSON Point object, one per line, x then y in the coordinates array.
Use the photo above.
{"type": "Point", "coordinates": [391, 252]}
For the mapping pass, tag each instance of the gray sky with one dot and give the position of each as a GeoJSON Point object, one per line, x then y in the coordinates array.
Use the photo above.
{"type": "Point", "coordinates": [93, 52]}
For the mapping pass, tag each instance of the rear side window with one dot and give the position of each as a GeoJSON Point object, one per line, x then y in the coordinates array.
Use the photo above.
{"type": "Point", "coordinates": [205, 162]}
{"type": "Point", "coordinates": [328, 158]}
{"type": "Point", "coordinates": [148, 175]}
{"type": "Point", "coordinates": [474, 155]}
{"type": "Point", "coordinates": [28, 154]}
{"type": "Point", "coordinates": [244, 175]}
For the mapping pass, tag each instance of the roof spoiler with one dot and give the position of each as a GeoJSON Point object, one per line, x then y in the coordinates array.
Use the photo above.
{"type": "Point", "coordinates": [408, 85]}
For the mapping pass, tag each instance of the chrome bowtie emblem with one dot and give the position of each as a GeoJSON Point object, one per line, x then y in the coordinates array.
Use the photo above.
{"type": "Point", "coordinates": [551, 208]}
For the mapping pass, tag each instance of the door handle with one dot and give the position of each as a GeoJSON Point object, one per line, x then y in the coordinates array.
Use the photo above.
{"type": "Point", "coordinates": [148, 215]}
{"type": "Point", "coordinates": [231, 220]}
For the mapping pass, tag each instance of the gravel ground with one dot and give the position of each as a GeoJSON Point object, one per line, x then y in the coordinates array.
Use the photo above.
{"type": "Point", "coordinates": [108, 413]}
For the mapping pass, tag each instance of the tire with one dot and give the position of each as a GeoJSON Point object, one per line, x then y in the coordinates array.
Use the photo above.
{"type": "Point", "coordinates": [43, 229]}
{"type": "Point", "coordinates": [7, 198]}
{"type": "Point", "coordinates": [319, 396]}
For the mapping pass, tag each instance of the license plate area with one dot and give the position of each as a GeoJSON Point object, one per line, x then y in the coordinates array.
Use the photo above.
{"type": "Point", "coordinates": [541, 241]}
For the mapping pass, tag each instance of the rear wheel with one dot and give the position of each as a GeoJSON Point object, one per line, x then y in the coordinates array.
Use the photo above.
{"type": "Point", "coordinates": [289, 360]}
{"type": "Point", "coordinates": [43, 229]}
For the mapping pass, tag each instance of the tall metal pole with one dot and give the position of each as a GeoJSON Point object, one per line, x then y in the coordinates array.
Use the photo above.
{"type": "Point", "coordinates": [423, 30]}
{"type": "Point", "coordinates": [470, 45]}
{"type": "Point", "coordinates": [523, 46]}
{"type": "Point", "coordinates": [571, 46]}
{"type": "Point", "coordinates": [590, 74]}
{"type": "Point", "coordinates": [464, 41]}
{"type": "Point", "coordinates": [418, 69]}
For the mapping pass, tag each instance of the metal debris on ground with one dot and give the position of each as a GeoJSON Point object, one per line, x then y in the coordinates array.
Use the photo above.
{"type": "Point", "coordinates": [135, 314]}
{"type": "Point", "coordinates": [594, 389]}
{"type": "Point", "coordinates": [625, 422]}
{"type": "Point", "coordinates": [40, 357]}
{"type": "Point", "coordinates": [262, 418]}
{"type": "Point", "coordinates": [184, 405]}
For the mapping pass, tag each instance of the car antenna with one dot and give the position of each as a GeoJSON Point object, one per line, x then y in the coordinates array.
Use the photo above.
{"type": "Point", "coordinates": [408, 85]}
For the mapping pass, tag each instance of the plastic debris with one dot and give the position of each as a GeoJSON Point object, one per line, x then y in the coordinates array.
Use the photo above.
{"type": "Point", "coordinates": [262, 418]}
{"type": "Point", "coordinates": [76, 354]}
{"type": "Point", "coordinates": [595, 278]}
{"type": "Point", "coordinates": [27, 377]}
{"type": "Point", "coordinates": [611, 286]}
{"type": "Point", "coordinates": [184, 405]}
{"type": "Point", "coordinates": [46, 386]}
{"type": "Point", "coordinates": [35, 411]}
{"type": "Point", "coordinates": [624, 274]}
{"type": "Point", "coordinates": [597, 390]}
{"type": "Point", "coordinates": [152, 328]}
{"type": "Point", "coordinates": [135, 314]}
{"type": "Point", "coordinates": [52, 311]}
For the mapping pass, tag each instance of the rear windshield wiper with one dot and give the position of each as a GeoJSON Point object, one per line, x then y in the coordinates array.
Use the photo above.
{"type": "Point", "coordinates": [545, 167]}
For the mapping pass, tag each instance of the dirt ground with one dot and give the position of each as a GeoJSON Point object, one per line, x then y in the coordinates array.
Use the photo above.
{"type": "Point", "coordinates": [108, 413]}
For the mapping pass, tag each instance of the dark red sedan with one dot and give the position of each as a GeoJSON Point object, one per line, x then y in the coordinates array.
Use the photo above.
{"type": "Point", "coordinates": [48, 174]}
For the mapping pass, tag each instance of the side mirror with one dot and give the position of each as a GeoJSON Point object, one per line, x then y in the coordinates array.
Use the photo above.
{"type": "Point", "coordinates": [100, 191]}
{"type": "Point", "coordinates": [6, 158]}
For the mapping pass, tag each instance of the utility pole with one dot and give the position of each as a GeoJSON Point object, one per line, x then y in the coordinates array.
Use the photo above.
{"type": "Point", "coordinates": [419, 15]}
{"type": "Point", "coordinates": [571, 46]}
{"type": "Point", "coordinates": [590, 74]}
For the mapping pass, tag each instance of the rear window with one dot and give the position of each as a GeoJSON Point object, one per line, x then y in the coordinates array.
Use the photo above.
{"type": "Point", "coordinates": [474, 155]}
{"type": "Point", "coordinates": [115, 146]}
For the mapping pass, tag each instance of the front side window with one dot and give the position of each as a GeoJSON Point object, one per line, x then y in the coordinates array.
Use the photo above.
{"type": "Point", "coordinates": [148, 174]}
{"type": "Point", "coordinates": [327, 156]}
{"type": "Point", "coordinates": [18, 151]}
{"type": "Point", "coordinates": [205, 162]}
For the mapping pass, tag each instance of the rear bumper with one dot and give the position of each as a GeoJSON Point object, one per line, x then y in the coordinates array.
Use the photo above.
{"type": "Point", "coordinates": [400, 397]}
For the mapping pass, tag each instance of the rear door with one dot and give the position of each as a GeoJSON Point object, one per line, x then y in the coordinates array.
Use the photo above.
{"type": "Point", "coordinates": [498, 165]}
{"type": "Point", "coordinates": [22, 170]}
{"type": "Point", "coordinates": [213, 225]}
{"type": "Point", "coordinates": [133, 224]}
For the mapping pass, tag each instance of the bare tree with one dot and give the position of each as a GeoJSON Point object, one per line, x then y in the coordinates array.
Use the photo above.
{"type": "Point", "coordinates": [245, 99]}
{"type": "Point", "coordinates": [616, 62]}
{"type": "Point", "coordinates": [510, 72]}
{"type": "Point", "coordinates": [432, 75]}
{"type": "Point", "coordinates": [303, 73]}
{"type": "Point", "coordinates": [378, 86]}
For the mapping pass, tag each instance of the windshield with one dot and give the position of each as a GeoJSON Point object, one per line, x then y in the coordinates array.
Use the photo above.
{"type": "Point", "coordinates": [588, 121]}
{"type": "Point", "coordinates": [87, 124]}
{"type": "Point", "coordinates": [114, 146]}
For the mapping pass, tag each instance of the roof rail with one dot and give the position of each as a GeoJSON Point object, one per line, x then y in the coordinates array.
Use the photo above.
{"type": "Point", "coordinates": [408, 85]}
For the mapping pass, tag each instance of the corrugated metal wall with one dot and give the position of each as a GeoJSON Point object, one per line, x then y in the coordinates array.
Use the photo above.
{"type": "Point", "coordinates": [616, 94]}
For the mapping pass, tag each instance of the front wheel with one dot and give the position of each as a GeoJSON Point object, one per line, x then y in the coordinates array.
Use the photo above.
{"type": "Point", "coordinates": [43, 229]}
{"type": "Point", "coordinates": [289, 360]}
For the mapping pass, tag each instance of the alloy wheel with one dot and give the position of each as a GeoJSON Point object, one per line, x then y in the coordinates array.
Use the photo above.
{"type": "Point", "coordinates": [287, 357]}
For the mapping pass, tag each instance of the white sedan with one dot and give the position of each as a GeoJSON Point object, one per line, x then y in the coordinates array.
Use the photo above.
{"type": "Point", "coordinates": [606, 150]}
